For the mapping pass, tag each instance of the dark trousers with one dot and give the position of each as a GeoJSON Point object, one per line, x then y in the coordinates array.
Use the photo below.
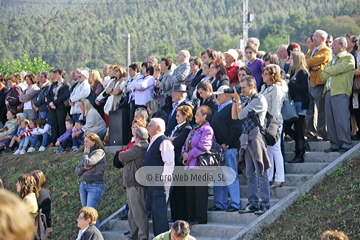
{"type": "Point", "coordinates": [197, 203]}
{"type": "Point", "coordinates": [57, 121]}
{"type": "Point", "coordinates": [178, 203]}
{"type": "Point", "coordinates": [298, 132]}
{"type": "Point", "coordinates": [67, 142]}
{"type": "Point", "coordinates": [157, 198]}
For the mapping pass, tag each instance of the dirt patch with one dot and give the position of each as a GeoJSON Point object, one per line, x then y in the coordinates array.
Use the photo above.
{"type": "Point", "coordinates": [64, 186]}
{"type": "Point", "coordinates": [332, 204]}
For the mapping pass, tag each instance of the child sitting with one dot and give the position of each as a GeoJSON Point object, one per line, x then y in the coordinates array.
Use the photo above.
{"type": "Point", "coordinates": [26, 137]}
{"type": "Point", "coordinates": [64, 140]}
{"type": "Point", "coordinates": [41, 133]}
{"type": "Point", "coordinates": [77, 136]}
{"type": "Point", "coordinates": [24, 126]}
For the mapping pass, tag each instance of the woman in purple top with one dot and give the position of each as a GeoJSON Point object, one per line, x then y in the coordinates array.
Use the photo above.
{"type": "Point", "coordinates": [12, 96]}
{"type": "Point", "coordinates": [255, 64]}
{"type": "Point", "coordinates": [201, 136]}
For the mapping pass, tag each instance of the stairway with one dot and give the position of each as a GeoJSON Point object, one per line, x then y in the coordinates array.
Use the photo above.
{"type": "Point", "coordinates": [223, 225]}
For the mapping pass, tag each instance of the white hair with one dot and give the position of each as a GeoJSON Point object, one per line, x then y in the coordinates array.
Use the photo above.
{"type": "Point", "coordinates": [186, 54]}
{"type": "Point", "coordinates": [342, 41]}
{"type": "Point", "coordinates": [159, 122]}
{"type": "Point", "coordinates": [22, 116]}
{"type": "Point", "coordinates": [322, 33]}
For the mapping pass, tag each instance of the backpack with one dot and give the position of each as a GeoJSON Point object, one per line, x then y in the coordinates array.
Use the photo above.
{"type": "Point", "coordinates": [40, 226]}
{"type": "Point", "coordinates": [271, 132]}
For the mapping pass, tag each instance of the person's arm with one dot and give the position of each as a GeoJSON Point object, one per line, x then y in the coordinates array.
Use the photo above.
{"type": "Point", "coordinates": [180, 73]}
{"type": "Point", "coordinates": [179, 141]}
{"type": "Point", "coordinates": [346, 64]}
{"type": "Point", "coordinates": [205, 143]}
{"type": "Point", "coordinates": [28, 95]}
{"type": "Point", "coordinates": [320, 57]}
{"type": "Point", "coordinates": [44, 130]}
{"type": "Point", "coordinates": [236, 106]}
{"type": "Point", "coordinates": [96, 156]}
{"type": "Point", "coordinates": [147, 82]}
{"type": "Point", "coordinates": [64, 94]}
{"type": "Point", "coordinates": [80, 92]}
{"type": "Point", "coordinates": [168, 156]}
{"type": "Point", "coordinates": [131, 154]}
{"type": "Point", "coordinates": [277, 99]}
{"type": "Point", "coordinates": [79, 170]}
{"type": "Point", "coordinates": [301, 83]}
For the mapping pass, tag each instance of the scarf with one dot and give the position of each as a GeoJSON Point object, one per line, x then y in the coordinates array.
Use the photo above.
{"type": "Point", "coordinates": [191, 135]}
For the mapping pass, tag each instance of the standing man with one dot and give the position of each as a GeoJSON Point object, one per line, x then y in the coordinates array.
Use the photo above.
{"type": "Point", "coordinates": [227, 132]}
{"type": "Point", "coordinates": [40, 105]}
{"type": "Point", "coordinates": [338, 79]}
{"type": "Point", "coordinates": [317, 61]}
{"type": "Point", "coordinates": [106, 78]}
{"type": "Point", "coordinates": [253, 148]}
{"type": "Point", "coordinates": [136, 193]}
{"type": "Point", "coordinates": [232, 68]}
{"type": "Point", "coordinates": [178, 96]}
{"type": "Point", "coordinates": [183, 70]}
{"type": "Point", "coordinates": [160, 153]}
{"type": "Point", "coordinates": [282, 55]}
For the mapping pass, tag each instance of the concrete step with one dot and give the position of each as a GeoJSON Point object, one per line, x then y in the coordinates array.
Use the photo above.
{"type": "Point", "coordinates": [308, 168]}
{"type": "Point", "coordinates": [314, 156]}
{"type": "Point", "coordinates": [315, 146]}
{"type": "Point", "coordinates": [218, 230]}
{"type": "Point", "coordinates": [291, 179]}
{"type": "Point", "coordinates": [275, 193]}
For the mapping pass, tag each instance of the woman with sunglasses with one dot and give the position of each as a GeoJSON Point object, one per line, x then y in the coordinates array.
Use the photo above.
{"type": "Point", "coordinates": [273, 91]}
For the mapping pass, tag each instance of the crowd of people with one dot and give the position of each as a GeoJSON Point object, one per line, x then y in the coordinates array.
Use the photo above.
{"type": "Point", "coordinates": [177, 112]}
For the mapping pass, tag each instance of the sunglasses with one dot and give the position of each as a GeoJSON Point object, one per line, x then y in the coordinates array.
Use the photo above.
{"type": "Point", "coordinates": [265, 73]}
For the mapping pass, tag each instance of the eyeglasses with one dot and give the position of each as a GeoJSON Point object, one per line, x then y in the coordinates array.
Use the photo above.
{"type": "Point", "coordinates": [212, 67]}
{"type": "Point", "coordinates": [116, 70]}
{"type": "Point", "coordinates": [199, 114]}
{"type": "Point", "coordinates": [265, 73]}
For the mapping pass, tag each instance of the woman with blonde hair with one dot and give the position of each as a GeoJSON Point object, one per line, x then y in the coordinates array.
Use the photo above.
{"type": "Point", "coordinates": [27, 188]}
{"type": "Point", "coordinates": [299, 93]}
{"type": "Point", "coordinates": [95, 82]}
{"type": "Point", "coordinates": [273, 91]}
{"type": "Point", "coordinates": [114, 89]}
{"type": "Point", "coordinates": [94, 123]}
{"type": "Point", "coordinates": [91, 169]}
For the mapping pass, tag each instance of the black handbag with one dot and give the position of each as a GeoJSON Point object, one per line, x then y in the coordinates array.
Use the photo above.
{"type": "Point", "coordinates": [288, 110]}
{"type": "Point", "coordinates": [214, 157]}
{"type": "Point", "coordinates": [117, 163]}
{"type": "Point", "coordinates": [123, 102]}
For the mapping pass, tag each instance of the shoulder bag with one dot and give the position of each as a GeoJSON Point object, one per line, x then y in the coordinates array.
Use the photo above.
{"type": "Point", "coordinates": [288, 110]}
{"type": "Point", "coordinates": [214, 157]}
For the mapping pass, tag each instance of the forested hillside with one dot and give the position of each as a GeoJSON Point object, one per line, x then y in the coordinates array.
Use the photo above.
{"type": "Point", "coordinates": [69, 33]}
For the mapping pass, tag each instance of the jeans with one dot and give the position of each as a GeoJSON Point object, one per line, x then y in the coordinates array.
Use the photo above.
{"type": "Point", "coordinates": [76, 142]}
{"type": "Point", "coordinates": [221, 192]}
{"type": "Point", "coordinates": [102, 133]}
{"type": "Point", "coordinates": [24, 142]}
{"type": "Point", "coordinates": [42, 138]}
{"type": "Point", "coordinates": [90, 195]}
{"type": "Point", "coordinates": [277, 160]}
{"type": "Point", "coordinates": [43, 114]}
{"type": "Point", "coordinates": [75, 116]}
{"type": "Point", "coordinates": [67, 142]}
{"type": "Point", "coordinates": [255, 179]}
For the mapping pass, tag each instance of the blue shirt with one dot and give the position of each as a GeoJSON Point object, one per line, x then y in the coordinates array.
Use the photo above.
{"type": "Point", "coordinates": [221, 107]}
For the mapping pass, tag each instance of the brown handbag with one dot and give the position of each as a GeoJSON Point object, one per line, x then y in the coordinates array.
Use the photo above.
{"type": "Point", "coordinates": [20, 107]}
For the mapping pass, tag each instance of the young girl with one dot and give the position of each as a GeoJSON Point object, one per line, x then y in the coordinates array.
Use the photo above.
{"type": "Point", "coordinates": [26, 137]}
{"type": "Point", "coordinates": [27, 189]}
{"type": "Point", "coordinates": [24, 126]}
{"type": "Point", "coordinates": [255, 64]}
{"type": "Point", "coordinates": [41, 133]}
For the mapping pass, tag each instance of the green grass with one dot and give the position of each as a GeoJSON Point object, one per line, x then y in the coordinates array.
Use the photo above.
{"type": "Point", "coordinates": [333, 204]}
{"type": "Point", "coordinates": [64, 186]}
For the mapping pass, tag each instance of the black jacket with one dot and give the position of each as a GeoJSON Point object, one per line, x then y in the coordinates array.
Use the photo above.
{"type": "Point", "coordinates": [226, 129]}
{"type": "Point", "coordinates": [2, 105]}
{"type": "Point", "coordinates": [298, 88]}
{"type": "Point", "coordinates": [63, 94]}
{"type": "Point", "coordinates": [224, 80]}
{"type": "Point", "coordinates": [180, 136]}
{"type": "Point", "coordinates": [40, 99]}
{"type": "Point", "coordinates": [171, 122]}
{"type": "Point", "coordinates": [91, 233]}
{"type": "Point", "coordinates": [212, 103]}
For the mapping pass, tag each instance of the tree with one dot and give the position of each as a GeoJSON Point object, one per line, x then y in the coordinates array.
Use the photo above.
{"type": "Point", "coordinates": [37, 65]}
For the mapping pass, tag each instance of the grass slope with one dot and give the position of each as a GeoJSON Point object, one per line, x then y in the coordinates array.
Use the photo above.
{"type": "Point", "coordinates": [64, 185]}
{"type": "Point", "coordinates": [333, 204]}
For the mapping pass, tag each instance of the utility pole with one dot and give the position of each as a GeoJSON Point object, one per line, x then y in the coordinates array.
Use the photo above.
{"type": "Point", "coordinates": [248, 19]}
{"type": "Point", "coordinates": [128, 50]}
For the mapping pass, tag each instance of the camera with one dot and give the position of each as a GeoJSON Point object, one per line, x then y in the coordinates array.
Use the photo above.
{"type": "Point", "coordinates": [231, 90]}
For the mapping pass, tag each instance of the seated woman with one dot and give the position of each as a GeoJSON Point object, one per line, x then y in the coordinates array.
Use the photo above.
{"type": "Point", "coordinates": [10, 125]}
{"type": "Point", "coordinates": [27, 188]}
{"type": "Point", "coordinates": [91, 170]}
{"type": "Point", "coordinates": [44, 201]}
{"type": "Point", "coordinates": [29, 96]}
{"type": "Point", "coordinates": [154, 111]}
{"type": "Point", "coordinates": [94, 123]}
{"type": "Point", "coordinates": [200, 136]}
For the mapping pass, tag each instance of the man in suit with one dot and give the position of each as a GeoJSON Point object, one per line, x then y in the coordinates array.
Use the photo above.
{"type": "Point", "coordinates": [317, 61]}
{"type": "Point", "coordinates": [86, 222]}
{"type": "Point", "coordinates": [183, 70]}
{"type": "Point", "coordinates": [160, 153]}
{"type": "Point", "coordinates": [227, 132]}
{"type": "Point", "coordinates": [178, 97]}
{"type": "Point", "coordinates": [338, 79]}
